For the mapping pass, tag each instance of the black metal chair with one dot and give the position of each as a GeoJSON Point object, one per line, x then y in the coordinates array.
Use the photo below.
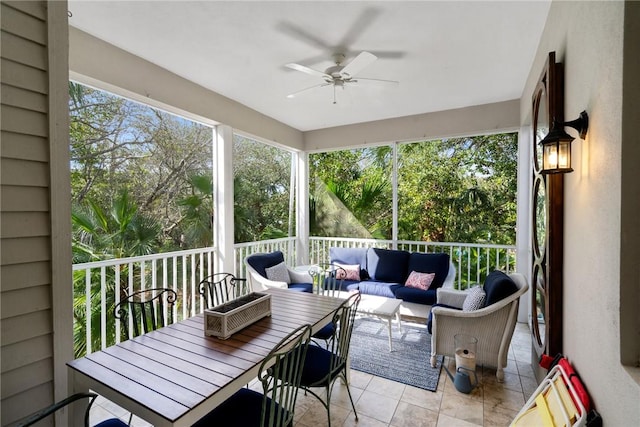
{"type": "Point", "coordinates": [280, 375]}
{"type": "Point", "coordinates": [222, 287]}
{"type": "Point", "coordinates": [148, 309]}
{"type": "Point", "coordinates": [323, 366]}
{"type": "Point", "coordinates": [327, 280]}
{"type": "Point", "coordinates": [50, 410]}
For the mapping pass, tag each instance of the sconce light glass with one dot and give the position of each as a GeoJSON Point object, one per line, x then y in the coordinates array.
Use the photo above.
{"type": "Point", "coordinates": [556, 146]}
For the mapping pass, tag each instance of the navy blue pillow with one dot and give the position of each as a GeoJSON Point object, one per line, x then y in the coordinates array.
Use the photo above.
{"type": "Point", "coordinates": [430, 263]}
{"type": "Point", "coordinates": [498, 286]}
{"type": "Point", "coordinates": [260, 262]}
{"type": "Point", "coordinates": [388, 265]}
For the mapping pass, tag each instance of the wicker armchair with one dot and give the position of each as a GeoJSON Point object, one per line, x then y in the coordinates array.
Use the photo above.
{"type": "Point", "coordinates": [257, 264]}
{"type": "Point", "coordinates": [493, 326]}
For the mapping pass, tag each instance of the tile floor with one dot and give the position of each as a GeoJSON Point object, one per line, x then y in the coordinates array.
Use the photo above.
{"type": "Point", "coordinates": [384, 403]}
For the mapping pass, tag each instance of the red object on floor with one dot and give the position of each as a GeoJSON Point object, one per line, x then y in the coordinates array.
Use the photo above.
{"type": "Point", "coordinates": [548, 362]}
{"type": "Point", "coordinates": [577, 383]}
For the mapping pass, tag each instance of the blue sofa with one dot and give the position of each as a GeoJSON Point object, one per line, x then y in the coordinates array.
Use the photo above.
{"type": "Point", "coordinates": [384, 272]}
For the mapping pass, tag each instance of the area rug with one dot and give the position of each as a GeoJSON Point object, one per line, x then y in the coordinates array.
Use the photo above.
{"type": "Point", "coordinates": [408, 363]}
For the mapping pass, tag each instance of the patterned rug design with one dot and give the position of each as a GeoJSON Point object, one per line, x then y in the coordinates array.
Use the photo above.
{"type": "Point", "coordinates": [408, 363]}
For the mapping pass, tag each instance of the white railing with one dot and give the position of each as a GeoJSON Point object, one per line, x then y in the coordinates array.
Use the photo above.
{"type": "Point", "coordinates": [473, 261]}
{"type": "Point", "coordinates": [98, 286]}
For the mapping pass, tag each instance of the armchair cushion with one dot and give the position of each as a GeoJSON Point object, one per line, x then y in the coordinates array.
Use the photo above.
{"type": "Point", "coordinates": [474, 300]}
{"type": "Point", "coordinates": [279, 273]}
{"type": "Point", "coordinates": [498, 286]}
{"type": "Point", "coordinates": [301, 287]}
{"type": "Point", "coordinates": [430, 318]}
{"type": "Point", "coordinates": [259, 262]}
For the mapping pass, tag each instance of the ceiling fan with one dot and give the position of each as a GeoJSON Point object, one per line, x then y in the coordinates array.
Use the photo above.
{"type": "Point", "coordinates": [339, 75]}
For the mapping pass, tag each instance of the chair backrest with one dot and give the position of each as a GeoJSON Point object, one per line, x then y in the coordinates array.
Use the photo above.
{"type": "Point", "coordinates": [343, 319]}
{"type": "Point", "coordinates": [49, 410]}
{"type": "Point", "coordinates": [327, 279]}
{"type": "Point", "coordinates": [280, 375]}
{"type": "Point", "coordinates": [146, 310]}
{"type": "Point", "coordinates": [220, 288]}
{"type": "Point", "coordinates": [261, 261]}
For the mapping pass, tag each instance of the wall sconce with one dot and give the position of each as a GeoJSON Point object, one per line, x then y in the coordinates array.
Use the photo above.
{"type": "Point", "coordinates": [556, 146]}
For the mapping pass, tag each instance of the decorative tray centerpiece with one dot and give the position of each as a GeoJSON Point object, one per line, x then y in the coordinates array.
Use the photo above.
{"type": "Point", "coordinates": [226, 319]}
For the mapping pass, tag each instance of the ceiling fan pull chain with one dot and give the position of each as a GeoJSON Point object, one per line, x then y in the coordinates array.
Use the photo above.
{"type": "Point", "coordinates": [334, 94]}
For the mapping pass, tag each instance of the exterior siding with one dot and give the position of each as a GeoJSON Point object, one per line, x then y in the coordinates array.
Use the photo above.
{"type": "Point", "coordinates": [26, 278]}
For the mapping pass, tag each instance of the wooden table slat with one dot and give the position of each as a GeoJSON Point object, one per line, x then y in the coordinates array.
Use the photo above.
{"type": "Point", "coordinates": [189, 382]}
{"type": "Point", "coordinates": [150, 380]}
{"type": "Point", "coordinates": [236, 347]}
{"type": "Point", "coordinates": [188, 367]}
{"type": "Point", "coordinates": [155, 401]}
{"type": "Point", "coordinates": [176, 374]}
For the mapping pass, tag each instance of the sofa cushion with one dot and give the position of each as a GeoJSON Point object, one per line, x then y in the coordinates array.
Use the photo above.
{"type": "Point", "coordinates": [419, 280]}
{"type": "Point", "coordinates": [259, 262]}
{"type": "Point", "coordinates": [382, 289]}
{"type": "Point", "coordinates": [474, 300]}
{"type": "Point", "coordinates": [388, 265]}
{"type": "Point", "coordinates": [350, 285]}
{"type": "Point", "coordinates": [430, 263]}
{"type": "Point", "coordinates": [350, 256]}
{"type": "Point", "coordinates": [417, 296]}
{"type": "Point", "coordinates": [498, 286]}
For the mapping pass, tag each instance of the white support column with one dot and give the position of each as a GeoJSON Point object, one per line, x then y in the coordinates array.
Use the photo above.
{"type": "Point", "coordinates": [524, 220]}
{"type": "Point", "coordinates": [394, 186]}
{"type": "Point", "coordinates": [302, 204]}
{"type": "Point", "coordinates": [223, 200]}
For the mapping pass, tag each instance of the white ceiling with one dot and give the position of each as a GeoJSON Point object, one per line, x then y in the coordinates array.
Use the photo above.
{"type": "Point", "coordinates": [446, 54]}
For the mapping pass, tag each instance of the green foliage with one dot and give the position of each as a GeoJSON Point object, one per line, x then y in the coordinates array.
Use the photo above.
{"type": "Point", "coordinates": [119, 145]}
{"type": "Point", "coordinates": [197, 208]}
{"type": "Point", "coordinates": [351, 193]}
{"type": "Point", "coordinates": [455, 190]}
{"type": "Point", "coordinates": [261, 176]}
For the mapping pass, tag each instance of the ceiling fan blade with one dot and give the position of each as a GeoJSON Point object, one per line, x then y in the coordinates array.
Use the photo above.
{"type": "Point", "coordinates": [308, 70]}
{"type": "Point", "coordinates": [364, 79]}
{"type": "Point", "coordinates": [294, 94]}
{"type": "Point", "coordinates": [299, 33]}
{"type": "Point", "coordinates": [358, 64]}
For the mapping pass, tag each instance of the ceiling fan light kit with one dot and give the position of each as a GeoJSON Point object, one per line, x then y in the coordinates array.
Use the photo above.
{"type": "Point", "coordinates": [338, 75]}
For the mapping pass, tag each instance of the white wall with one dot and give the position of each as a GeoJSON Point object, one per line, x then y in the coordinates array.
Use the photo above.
{"type": "Point", "coordinates": [477, 120]}
{"type": "Point", "coordinates": [588, 39]}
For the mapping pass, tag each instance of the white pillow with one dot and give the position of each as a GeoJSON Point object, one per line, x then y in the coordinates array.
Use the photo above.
{"type": "Point", "coordinates": [278, 273]}
{"type": "Point", "coordinates": [474, 300]}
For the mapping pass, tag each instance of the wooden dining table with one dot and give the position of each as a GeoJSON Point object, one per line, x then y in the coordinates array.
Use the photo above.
{"type": "Point", "coordinates": [175, 375]}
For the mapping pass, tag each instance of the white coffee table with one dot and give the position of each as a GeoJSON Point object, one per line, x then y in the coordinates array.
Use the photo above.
{"type": "Point", "coordinates": [382, 307]}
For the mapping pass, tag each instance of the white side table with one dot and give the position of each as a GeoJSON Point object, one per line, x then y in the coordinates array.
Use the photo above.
{"type": "Point", "coordinates": [382, 307]}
